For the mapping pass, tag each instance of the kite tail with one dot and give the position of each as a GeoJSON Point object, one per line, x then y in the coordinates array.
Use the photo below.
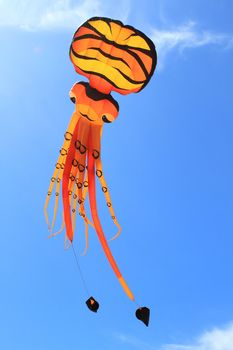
{"type": "Point", "coordinates": [97, 224]}
{"type": "Point", "coordinates": [65, 185]}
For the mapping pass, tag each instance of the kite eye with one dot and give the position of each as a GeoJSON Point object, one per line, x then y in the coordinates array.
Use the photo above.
{"type": "Point", "coordinates": [105, 119]}
{"type": "Point", "coordinates": [72, 99]}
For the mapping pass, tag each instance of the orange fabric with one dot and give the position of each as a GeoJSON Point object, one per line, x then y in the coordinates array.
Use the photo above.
{"type": "Point", "coordinates": [65, 186]}
{"type": "Point", "coordinates": [114, 57]}
{"type": "Point", "coordinates": [94, 213]}
{"type": "Point", "coordinates": [98, 227]}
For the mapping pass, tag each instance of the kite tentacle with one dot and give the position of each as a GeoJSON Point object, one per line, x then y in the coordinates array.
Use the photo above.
{"type": "Point", "coordinates": [57, 193]}
{"type": "Point", "coordinates": [59, 168]}
{"type": "Point", "coordinates": [66, 193]}
{"type": "Point", "coordinates": [73, 181]}
{"type": "Point", "coordinates": [100, 175]}
{"type": "Point", "coordinates": [82, 212]}
{"type": "Point", "coordinates": [82, 146]}
{"type": "Point", "coordinates": [96, 132]}
{"type": "Point", "coordinates": [98, 227]}
{"type": "Point", "coordinates": [60, 230]}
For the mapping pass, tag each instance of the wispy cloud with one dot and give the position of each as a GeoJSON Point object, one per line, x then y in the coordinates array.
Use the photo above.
{"type": "Point", "coordinates": [134, 342]}
{"type": "Point", "coordinates": [186, 36]}
{"type": "Point", "coordinates": [215, 339]}
{"type": "Point", "coordinates": [69, 14]}
{"type": "Point", "coordinates": [57, 14]}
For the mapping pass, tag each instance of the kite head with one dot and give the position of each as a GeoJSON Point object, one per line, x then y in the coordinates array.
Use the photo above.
{"type": "Point", "coordinates": [92, 105]}
{"type": "Point", "coordinates": [113, 56]}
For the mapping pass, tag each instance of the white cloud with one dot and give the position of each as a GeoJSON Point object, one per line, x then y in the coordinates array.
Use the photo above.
{"type": "Point", "coordinates": [134, 342]}
{"type": "Point", "coordinates": [215, 339]}
{"type": "Point", "coordinates": [57, 14]}
{"type": "Point", "coordinates": [69, 14]}
{"type": "Point", "coordinates": [184, 37]}
{"type": "Point", "coordinates": [63, 15]}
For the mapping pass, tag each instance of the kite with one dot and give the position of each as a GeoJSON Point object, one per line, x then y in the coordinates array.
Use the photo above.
{"type": "Point", "coordinates": [113, 57]}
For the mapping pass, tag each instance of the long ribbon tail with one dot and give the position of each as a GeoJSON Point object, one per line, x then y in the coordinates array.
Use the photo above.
{"type": "Point", "coordinates": [97, 224]}
{"type": "Point", "coordinates": [66, 195]}
{"type": "Point", "coordinates": [58, 172]}
{"type": "Point", "coordinates": [100, 175]}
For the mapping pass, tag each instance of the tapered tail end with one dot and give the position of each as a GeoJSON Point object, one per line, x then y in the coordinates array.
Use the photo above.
{"type": "Point", "coordinates": [92, 304]}
{"type": "Point", "coordinates": [143, 314]}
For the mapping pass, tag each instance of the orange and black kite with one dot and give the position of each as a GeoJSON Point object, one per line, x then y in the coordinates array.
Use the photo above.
{"type": "Point", "coordinates": [113, 57]}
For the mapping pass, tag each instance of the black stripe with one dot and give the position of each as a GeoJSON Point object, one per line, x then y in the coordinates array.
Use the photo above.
{"type": "Point", "coordinates": [103, 77]}
{"type": "Point", "coordinates": [109, 56]}
{"type": "Point", "coordinates": [97, 95]}
{"type": "Point", "coordinates": [82, 56]}
{"type": "Point", "coordinates": [103, 53]}
{"type": "Point", "coordinates": [152, 53]}
{"type": "Point", "coordinates": [137, 32]}
{"type": "Point", "coordinates": [96, 59]}
{"type": "Point", "coordinates": [86, 116]}
{"type": "Point", "coordinates": [92, 36]}
{"type": "Point", "coordinates": [105, 19]}
{"type": "Point", "coordinates": [122, 47]}
{"type": "Point", "coordinates": [108, 23]}
{"type": "Point", "coordinates": [128, 78]}
{"type": "Point", "coordinates": [124, 75]}
{"type": "Point", "coordinates": [133, 34]}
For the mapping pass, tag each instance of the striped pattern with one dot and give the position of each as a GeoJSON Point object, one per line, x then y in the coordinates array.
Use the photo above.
{"type": "Point", "coordinates": [112, 56]}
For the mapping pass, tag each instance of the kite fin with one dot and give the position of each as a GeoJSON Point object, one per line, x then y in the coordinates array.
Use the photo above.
{"type": "Point", "coordinates": [143, 314]}
{"type": "Point", "coordinates": [92, 304]}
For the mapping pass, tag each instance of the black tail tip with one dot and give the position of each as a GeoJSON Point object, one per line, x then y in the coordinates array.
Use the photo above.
{"type": "Point", "coordinates": [92, 304]}
{"type": "Point", "coordinates": [143, 314]}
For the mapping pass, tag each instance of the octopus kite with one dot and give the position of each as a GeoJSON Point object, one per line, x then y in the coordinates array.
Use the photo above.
{"type": "Point", "coordinates": [113, 57]}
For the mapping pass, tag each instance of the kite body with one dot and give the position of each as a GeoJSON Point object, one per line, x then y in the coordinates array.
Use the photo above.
{"type": "Point", "coordinates": [113, 57]}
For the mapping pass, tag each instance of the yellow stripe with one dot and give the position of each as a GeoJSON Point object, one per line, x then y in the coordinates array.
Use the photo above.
{"type": "Point", "coordinates": [102, 28]}
{"type": "Point", "coordinates": [120, 34]}
{"type": "Point", "coordinates": [107, 71]}
{"type": "Point", "coordinates": [113, 63]}
{"type": "Point", "coordinates": [116, 30]}
{"type": "Point", "coordinates": [138, 42]}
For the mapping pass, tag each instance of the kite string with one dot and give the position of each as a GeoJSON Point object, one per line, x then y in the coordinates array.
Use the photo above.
{"type": "Point", "coordinates": [80, 271]}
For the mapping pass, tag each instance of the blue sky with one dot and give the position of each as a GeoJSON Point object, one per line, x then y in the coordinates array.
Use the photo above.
{"type": "Point", "coordinates": [168, 163]}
